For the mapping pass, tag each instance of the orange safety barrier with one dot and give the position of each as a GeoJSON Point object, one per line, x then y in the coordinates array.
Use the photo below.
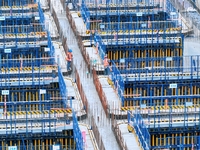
{"type": "Point", "coordinates": [81, 91]}
{"type": "Point", "coordinates": [100, 92]}
{"type": "Point", "coordinates": [65, 46]}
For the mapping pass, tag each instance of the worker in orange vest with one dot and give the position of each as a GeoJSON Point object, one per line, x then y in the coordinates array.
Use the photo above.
{"type": "Point", "coordinates": [69, 59]}
{"type": "Point", "coordinates": [106, 65]}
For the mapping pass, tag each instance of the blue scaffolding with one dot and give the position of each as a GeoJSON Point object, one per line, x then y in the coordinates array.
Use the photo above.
{"type": "Point", "coordinates": [16, 2]}
{"type": "Point", "coordinates": [77, 133]}
{"type": "Point", "coordinates": [63, 89]}
{"type": "Point", "coordinates": [141, 130]}
{"type": "Point", "coordinates": [139, 47]}
{"type": "Point", "coordinates": [120, 13]}
{"type": "Point", "coordinates": [85, 13]}
{"type": "Point", "coordinates": [34, 101]}
{"type": "Point", "coordinates": [156, 129]}
{"type": "Point", "coordinates": [148, 85]}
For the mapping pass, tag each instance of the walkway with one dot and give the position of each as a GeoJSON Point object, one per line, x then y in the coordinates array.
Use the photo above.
{"type": "Point", "coordinates": [96, 108]}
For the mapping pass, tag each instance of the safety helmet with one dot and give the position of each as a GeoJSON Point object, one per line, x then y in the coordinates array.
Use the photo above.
{"type": "Point", "coordinates": [70, 50]}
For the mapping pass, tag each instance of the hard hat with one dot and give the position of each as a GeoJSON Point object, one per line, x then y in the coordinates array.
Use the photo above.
{"type": "Point", "coordinates": [70, 50]}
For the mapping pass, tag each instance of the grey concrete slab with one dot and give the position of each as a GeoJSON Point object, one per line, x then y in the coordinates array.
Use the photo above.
{"type": "Point", "coordinates": [129, 138]}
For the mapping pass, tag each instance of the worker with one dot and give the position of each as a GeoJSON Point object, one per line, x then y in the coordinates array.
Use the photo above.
{"type": "Point", "coordinates": [69, 59]}
{"type": "Point", "coordinates": [106, 65]}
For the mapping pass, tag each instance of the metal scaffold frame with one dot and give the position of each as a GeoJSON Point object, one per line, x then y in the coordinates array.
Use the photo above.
{"type": "Point", "coordinates": [137, 47]}
{"type": "Point", "coordinates": [141, 130]}
{"type": "Point", "coordinates": [166, 129]}
{"type": "Point", "coordinates": [33, 94]}
{"type": "Point", "coordinates": [15, 2]}
{"type": "Point", "coordinates": [27, 47]}
{"type": "Point", "coordinates": [96, 14]}
{"type": "Point", "coordinates": [85, 13]}
{"type": "Point", "coordinates": [63, 90]}
{"type": "Point", "coordinates": [118, 81]}
{"type": "Point", "coordinates": [47, 106]}
{"type": "Point", "coordinates": [20, 15]}
{"type": "Point", "coordinates": [41, 14]}
{"type": "Point", "coordinates": [77, 133]}
{"type": "Point", "coordinates": [154, 85]}
{"type": "Point", "coordinates": [13, 129]}
{"type": "Point", "coordinates": [20, 30]}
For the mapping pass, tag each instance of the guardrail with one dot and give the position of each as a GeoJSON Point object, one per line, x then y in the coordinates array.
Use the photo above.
{"type": "Point", "coordinates": [64, 44]}
{"type": "Point", "coordinates": [63, 88]}
{"type": "Point", "coordinates": [81, 91]}
{"type": "Point", "coordinates": [136, 121]}
{"type": "Point", "coordinates": [77, 133]}
{"type": "Point", "coordinates": [100, 92]}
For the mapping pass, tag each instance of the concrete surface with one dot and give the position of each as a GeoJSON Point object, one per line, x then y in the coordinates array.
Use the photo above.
{"type": "Point", "coordinates": [93, 99]}
{"type": "Point", "coordinates": [129, 138]}
{"type": "Point", "coordinates": [88, 141]}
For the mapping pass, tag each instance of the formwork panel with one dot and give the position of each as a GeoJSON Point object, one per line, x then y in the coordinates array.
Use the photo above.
{"type": "Point", "coordinates": [174, 135]}
{"type": "Point", "coordinates": [39, 141]}
{"type": "Point", "coordinates": [138, 47]}
{"type": "Point", "coordinates": [35, 113]}
{"type": "Point", "coordinates": [151, 11]}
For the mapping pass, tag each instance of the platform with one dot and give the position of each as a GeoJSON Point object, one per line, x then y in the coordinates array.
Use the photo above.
{"type": "Point", "coordinates": [111, 96]}
{"type": "Point", "coordinates": [88, 139]}
{"type": "Point", "coordinates": [23, 44]}
{"type": "Point", "coordinates": [37, 129]}
{"type": "Point", "coordinates": [74, 95]}
{"type": "Point", "coordinates": [130, 5]}
{"type": "Point", "coordinates": [80, 25]}
{"type": "Point", "coordinates": [128, 139]}
{"type": "Point", "coordinates": [121, 12]}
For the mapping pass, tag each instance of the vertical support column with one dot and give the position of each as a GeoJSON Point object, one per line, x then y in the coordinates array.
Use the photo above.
{"type": "Point", "coordinates": [70, 140]}
{"type": "Point", "coordinates": [5, 106]}
{"type": "Point", "coordinates": [40, 104]}
{"type": "Point", "coordinates": [43, 145]}
{"type": "Point", "coordinates": [39, 146]}
{"type": "Point", "coordinates": [35, 145]}
{"type": "Point", "coordinates": [152, 140]}
{"type": "Point", "coordinates": [66, 140]}
{"type": "Point", "coordinates": [47, 143]}
{"type": "Point", "coordinates": [50, 143]}
{"type": "Point", "coordinates": [19, 144]}
{"type": "Point", "coordinates": [2, 145]}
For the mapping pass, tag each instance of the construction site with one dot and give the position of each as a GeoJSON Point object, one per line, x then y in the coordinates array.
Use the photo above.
{"type": "Point", "coordinates": [131, 83]}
